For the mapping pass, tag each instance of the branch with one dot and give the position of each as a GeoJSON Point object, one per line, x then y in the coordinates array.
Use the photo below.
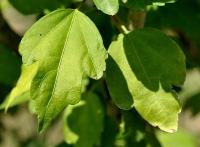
{"type": "Point", "coordinates": [136, 19]}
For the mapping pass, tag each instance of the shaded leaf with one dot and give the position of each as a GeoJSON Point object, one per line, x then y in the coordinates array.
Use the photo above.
{"type": "Point", "coordinates": [193, 104]}
{"type": "Point", "coordinates": [9, 65]}
{"type": "Point", "coordinates": [110, 132]}
{"type": "Point", "coordinates": [183, 18]}
{"type": "Point", "coordinates": [119, 92]}
{"type": "Point", "coordinates": [84, 122]}
{"type": "Point", "coordinates": [67, 46]}
{"type": "Point", "coordinates": [34, 6]}
{"type": "Point", "coordinates": [136, 131]}
{"type": "Point", "coordinates": [158, 108]}
{"type": "Point", "coordinates": [154, 58]}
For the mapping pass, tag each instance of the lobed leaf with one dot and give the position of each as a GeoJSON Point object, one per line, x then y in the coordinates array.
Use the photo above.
{"type": "Point", "coordinates": [159, 108]}
{"type": "Point", "coordinates": [67, 46]}
{"type": "Point", "coordinates": [154, 59]}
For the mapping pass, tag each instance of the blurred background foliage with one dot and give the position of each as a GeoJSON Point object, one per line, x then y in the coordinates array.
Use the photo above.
{"type": "Point", "coordinates": [179, 20]}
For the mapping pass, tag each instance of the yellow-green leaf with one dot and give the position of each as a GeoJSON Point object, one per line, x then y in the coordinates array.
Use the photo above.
{"type": "Point", "coordinates": [159, 108]}
{"type": "Point", "coordinates": [110, 7]}
{"type": "Point", "coordinates": [67, 46]}
{"type": "Point", "coordinates": [21, 92]}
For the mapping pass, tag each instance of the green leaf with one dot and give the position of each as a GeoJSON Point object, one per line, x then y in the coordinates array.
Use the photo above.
{"type": "Point", "coordinates": [119, 92]}
{"type": "Point", "coordinates": [110, 132]}
{"type": "Point", "coordinates": [21, 92]}
{"type": "Point", "coordinates": [192, 104]}
{"type": "Point", "coordinates": [136, 132]}
{"type": "Point", "coordinates": [155, 59]}
{"type": "Point", "coordinates": [84, 122]}
{"type": "Point", "coordinates": [182, 12]}
{"type": "Point", "coordinates": [67, 46]}
{"type": "Point", "coordinates": [35, 6]}
{"type": "Point", "coordinates": [109, 7]}
{"type": "Point", "coordinates": [9, 65]}
{"type": "Point", "coordinates": [159, 108]}
{"type": "Point", "coordinates": [179, 139]}
{"type": "Point", "coordinates": [134, 128]}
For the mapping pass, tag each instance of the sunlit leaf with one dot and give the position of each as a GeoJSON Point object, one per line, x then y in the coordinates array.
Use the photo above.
{"type": "Point", "coordinates": [110, 7]}
{"type": "Point", "coordinates": [181, 138]}
{"type": "Point", "coordinates": [21, 92]}
{"type": "Point", "coordinates": [159, 108]}
{"type": "Point", "coordinates": [67, 46]}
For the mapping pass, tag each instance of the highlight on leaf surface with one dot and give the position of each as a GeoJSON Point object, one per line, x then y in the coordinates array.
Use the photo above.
{"type": "Point", "coordinates": [67, 47]}
{"type": "Point", "coordinates": [159, 108]}
{"type": "Point", "coordinates": [21, 92]}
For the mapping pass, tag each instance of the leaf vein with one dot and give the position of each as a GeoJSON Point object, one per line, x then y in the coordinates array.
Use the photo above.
{"type": "Point", "coordinates": [63, 51]}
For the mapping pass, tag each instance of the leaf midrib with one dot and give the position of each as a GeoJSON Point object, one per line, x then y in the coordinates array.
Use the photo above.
{"type": "Point", "coordinates": [60, 62]}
